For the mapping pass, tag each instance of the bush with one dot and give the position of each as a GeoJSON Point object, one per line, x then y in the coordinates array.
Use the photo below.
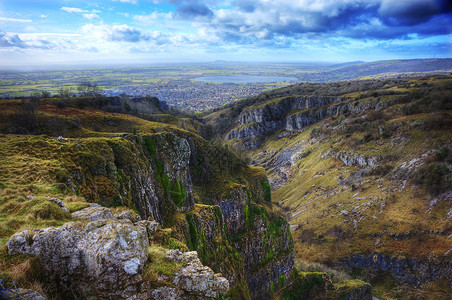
{"type": "Point", "coordinates": [381, 170]}
{"type": "Point", "coordinates": [434, 177]}
{"type": "Point", "coordinates": [442, 154]}
{"type": "Point", "coordinates": [336, 275]}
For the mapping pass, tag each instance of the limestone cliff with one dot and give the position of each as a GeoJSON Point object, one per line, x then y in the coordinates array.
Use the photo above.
{"type": "Point", "coordinates": [291, 114]}
{"type": "Point", "coordinates": [160, 176]}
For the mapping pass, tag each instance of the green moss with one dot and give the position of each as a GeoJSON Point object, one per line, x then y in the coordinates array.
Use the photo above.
{"type": "Point", "coordinates": [272, 287]}
{"type": "Point", "coordinates": [269, 256]}
{"type": "Point", "coordinates": [307, 285]}
{"type": "Point", "coordinates": [162, 177]}
{"type": "Point", "coordinates": [275, 227]}
{"type": "Point", "coordinates": [178, 193]}
{"type": "Point", "coordinates": [117, 201]}
{"type": "Point", "coordinates": [282, 280]}
{"type": "Point", "coordinates": [248, 217]}
{"type": "Point", "coordinates": [192, 233]}
{"type": "Point", "coordinates": [218, 214]}
{"type": "Point", "coordinates": [149, 145]}
{"type": "Point", "coordinates": [121, 180]}
{"type": "Point", "coordinates": [267, 190]}
{"type": "Point", "coordinates": [204, 253]}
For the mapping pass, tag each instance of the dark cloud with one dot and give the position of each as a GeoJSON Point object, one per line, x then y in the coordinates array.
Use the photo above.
{"type": "Point", "coordinates": [264, 22]}
{"type": "Point", "coordinates": [413, 12]}
{"type": "Point", "coordinates": [126, 34]}
{"type": "Point", "coordinates": [11, 41]}
{"type": "Point", "coordinates": [194, 10]}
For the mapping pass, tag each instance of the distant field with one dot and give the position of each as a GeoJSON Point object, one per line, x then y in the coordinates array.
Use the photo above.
{"type": "Point", "coordinates": [171, 83]}
{"type": "Point", "coordinates": [175, 84]}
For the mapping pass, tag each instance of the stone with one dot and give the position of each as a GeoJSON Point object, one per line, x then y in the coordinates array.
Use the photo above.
{"type": "Point", "coordinates": [103, 258]}
{"type": "Point", "coordinates": [59, 202]}
{"type": "Point", "coordinates": [21, 294]}
{"type": "Point", "coordinates": [167, 293]}
{"type": "Point", "coordinates": [127, 214]}
{"type": "Point", "coordinates": [94, 214]}
{"type": "Point", "coordinates": [151, 226]}
{"type": "Point", "coordinates": [20, 243]}
{"type": "Point", "coordinates": [62, 139]}
{"type": "Point", "coordinates": [195, 278]}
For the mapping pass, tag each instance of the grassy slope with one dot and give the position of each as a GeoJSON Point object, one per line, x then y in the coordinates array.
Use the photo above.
{"type": "Point", "coordinates": [31, 171]}
{"type": "Point", "coordinates": [337, 220]}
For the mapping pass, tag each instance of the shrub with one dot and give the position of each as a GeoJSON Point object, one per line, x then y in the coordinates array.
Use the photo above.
{"type": "Point", "coordinates": [381, 170]}
{"type": "Point", "coordinates": [434, 177]}
{"type": "Point", "coordinates": [442, 154]}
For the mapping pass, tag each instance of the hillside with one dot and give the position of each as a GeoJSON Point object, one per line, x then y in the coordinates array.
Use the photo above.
{"type": "Point", "coordinates": [362, 172]}
{"type": "Point", "coordinates": [381, 69]}
{"type": "Point", "coordinates": [107, 205]}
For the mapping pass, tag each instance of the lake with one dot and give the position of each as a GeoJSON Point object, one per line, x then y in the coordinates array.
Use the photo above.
{"type": "Point", "coordinates": [243, 79]}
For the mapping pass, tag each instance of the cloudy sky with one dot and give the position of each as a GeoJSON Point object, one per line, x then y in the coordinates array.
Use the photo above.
{"type": "Point", "coordinates": [124, 31]}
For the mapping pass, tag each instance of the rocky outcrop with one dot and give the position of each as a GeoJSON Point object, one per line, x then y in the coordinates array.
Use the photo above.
{"type": "Point", "coordinates": [151, 173]}
{"type": "Point", "coordinates": [408, 271]}
{"type": "Point", "coordinates": [109, 253]}
{"type": "Point", "coordinates": [262, 120]}
{"type": "Point", "coordinates": [195, 278]}
{"type": "Point", "coordinates": [291, 114]}
{"type": "Point", "coordinates": [21, 294]}
{"type": "Point", "coordinates": [104, 259]}
{"type": "Point", "coordinates": [354, 159]}
{"type": "Point", "coordinates": [93, 213]}
{"type": "Point", "coordinates": [263, 240]}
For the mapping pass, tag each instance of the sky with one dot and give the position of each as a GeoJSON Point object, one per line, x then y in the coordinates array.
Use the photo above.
{"type": "Point", "coordinates": [34, 32]}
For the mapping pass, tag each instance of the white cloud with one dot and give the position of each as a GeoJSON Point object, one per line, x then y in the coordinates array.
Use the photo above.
{"type": "Point", "coordinates": [15, 20]}
{"type": "Point", "coordinates": [43, 16]}
{"type": "Point", "coordinates": [127, 1]}
{"type": "Point", "coordinates": [151, 18]}
{"type": "Point", "coordinates": [90, 16]}
{"type": "Point", "coordinates": [74, 10]}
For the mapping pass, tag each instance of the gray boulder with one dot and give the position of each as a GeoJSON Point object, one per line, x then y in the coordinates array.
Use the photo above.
{"type": "Point", "coordinates": [195, 278]}
{"type": "Point", "coordinates": [94, 213]}
{"type": "Point", "coordinates": [99, 260]}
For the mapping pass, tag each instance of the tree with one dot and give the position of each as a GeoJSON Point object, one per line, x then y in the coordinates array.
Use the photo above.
{"type": "Point", "coordinates": [89, 89]}
{"type": "Point", "coordinates": [92, 93]}
{"type": "Point", "coordinates": [64, 93]}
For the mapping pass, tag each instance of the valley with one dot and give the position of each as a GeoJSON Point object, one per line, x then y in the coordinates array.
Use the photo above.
{"type": "Point", "coordinates": [315, 190]}
{"type": "Point", "coordinates": [363, 175]}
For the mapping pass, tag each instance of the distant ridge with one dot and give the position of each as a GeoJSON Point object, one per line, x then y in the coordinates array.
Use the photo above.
{"type": "Point", "coordinates": [346, 64]}
{"type": "Point", "coordinates": [382, 69]}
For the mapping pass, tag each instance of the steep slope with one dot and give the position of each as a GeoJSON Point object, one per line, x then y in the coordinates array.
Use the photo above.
{"type": "Point", "coordinates": [362, 172]}
{"type": "Point", "coordinates": [203, 195]}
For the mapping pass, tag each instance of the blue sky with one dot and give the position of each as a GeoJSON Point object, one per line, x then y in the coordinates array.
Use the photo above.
{"type": "Point", "coordinates": [146, 31]}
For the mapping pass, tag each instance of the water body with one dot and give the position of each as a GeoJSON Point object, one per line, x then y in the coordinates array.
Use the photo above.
{"type": "Point", "coordinates": [244, 79]}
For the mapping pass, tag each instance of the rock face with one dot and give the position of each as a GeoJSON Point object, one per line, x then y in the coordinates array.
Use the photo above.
{"type": "Point", "coordinates": [21, 294]}
{"type": "Point", "coordinates": [110, 253]}
{"type": "Point", "coordinates": [151, 173]}
{"type": "Point", "coordinates": [409, 271]}
{"type": "Point", "coordinates": [196, 278]}
{"type": "Point", "coordinates": [291, 114]}
{"type": "Point", "coordinates": [361, 293]}
{"type": "Point", "coordinates": [264, 243]}
{"type": "Point", "coordinates": [235, 234]}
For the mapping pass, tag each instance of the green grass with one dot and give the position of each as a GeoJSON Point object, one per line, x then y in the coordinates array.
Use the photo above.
{"type": "Point", "coordinates": [158, 265]}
